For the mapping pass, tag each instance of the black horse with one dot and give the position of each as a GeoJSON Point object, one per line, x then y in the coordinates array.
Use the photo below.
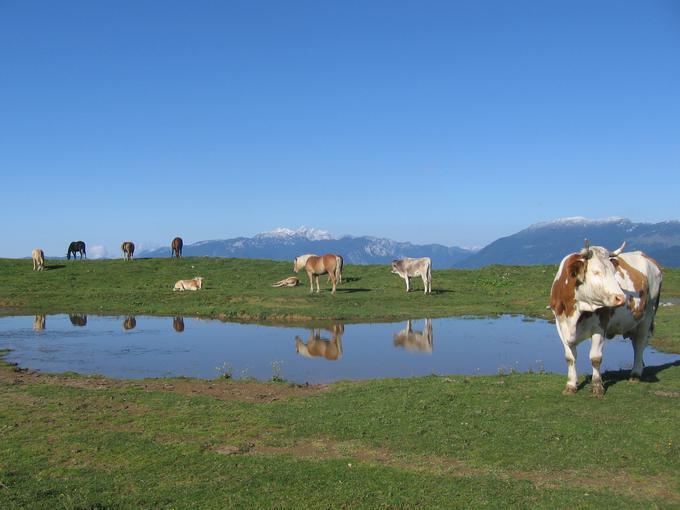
{"type": "Point", "coordinates": [76, 247]}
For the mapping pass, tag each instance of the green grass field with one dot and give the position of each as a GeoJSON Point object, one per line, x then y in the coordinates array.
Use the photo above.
{"type": "Point", "coordinates": [68, 441]}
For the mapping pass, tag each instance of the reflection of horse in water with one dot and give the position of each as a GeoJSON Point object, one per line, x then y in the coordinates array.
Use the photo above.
{"type": "Point", "coordinates": [415, 340]}
{"type": "Point", "coordinates": [130, 322]}
{"type": "Point", "coordinates": [317, 346]}
{"type": "Point", "coordinates": [39, 323]}
{"type": "Point", "coordinates": [178, 324]}
{"type": "Point", "coordinates": [78, 319]}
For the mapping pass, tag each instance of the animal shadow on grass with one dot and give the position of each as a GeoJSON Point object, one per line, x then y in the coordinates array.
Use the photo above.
{"type": "Point", "coordinates": [351, 291]}
{"type": "Point", "coordinates": [612, 377]}
{"type": "Point", "coordinates": [350, 279]}
{"type": "Point", "coordinates": [57, 266]}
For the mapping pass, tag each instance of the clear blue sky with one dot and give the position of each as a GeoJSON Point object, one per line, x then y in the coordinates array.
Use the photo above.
{"type": "Point", "coordinates": [450, 122]}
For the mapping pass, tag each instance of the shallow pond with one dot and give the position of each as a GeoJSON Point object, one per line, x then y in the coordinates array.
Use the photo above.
{"type": "Point", "coordinates": [136, 347]}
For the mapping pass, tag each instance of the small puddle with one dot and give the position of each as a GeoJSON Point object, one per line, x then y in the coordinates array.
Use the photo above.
{"type": "Point", "coordinates": [138, 347]}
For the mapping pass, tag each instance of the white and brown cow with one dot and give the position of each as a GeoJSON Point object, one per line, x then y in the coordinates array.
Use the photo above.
{"type": "Point", "coordinates": [596, 294]}
{"type": "Point", "coordinates": [195, 283]}
{"type": "Point", "coordinates": [408, 267]}
{"type": "Point", "coordinates": [38, 259]}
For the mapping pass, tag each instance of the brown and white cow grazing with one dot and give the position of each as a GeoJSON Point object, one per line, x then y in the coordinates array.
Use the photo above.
{"type": "Point", "coordinates": [315, 266]}
{"type": "Point", "coordinates": [128, 248]}
{"type": "Point", "coordinates": [195, 283]}
{"type": "Point", "coordinates": [38, 259]}
{"type": "Point", "coordinates": [408, 267]}
{"type": "Point", "coordinates": [596, 294]}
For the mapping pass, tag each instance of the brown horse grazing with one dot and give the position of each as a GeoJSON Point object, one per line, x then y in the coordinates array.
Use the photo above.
{"type": "Point", "coordinates": [76, 247]}
{"type": "Point", "coordinates": [130, 322]}
{"type": "Point", "coordinates": [315, 266]}
{"type": "Point", "coordinates": [177, 245]}
{"type": "Point", "coordinates": [128, 248]}
{"type": "Point", "coordinates": [38, 259]}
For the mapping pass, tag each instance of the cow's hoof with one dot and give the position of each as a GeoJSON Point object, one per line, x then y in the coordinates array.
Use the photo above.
{"type": "Point", "coordinates": [634, 379]}
{"type": "Point", "coordinates": [569, 390]}
{"type": "Point", "coordinates": [598, 390]}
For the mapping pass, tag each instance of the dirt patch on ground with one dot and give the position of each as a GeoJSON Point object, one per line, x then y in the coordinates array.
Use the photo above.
{"type": "Point", "coordinates": [245, 391]}
{"type": "Point", "coordinates": [638, 488]}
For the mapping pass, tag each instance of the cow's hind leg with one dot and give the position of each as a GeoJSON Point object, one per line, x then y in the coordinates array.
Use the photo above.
{"type": "Point", "coordinates": [424, 277]}
{"type": "Point", "coordinates": [640, 339]}
{"type": "Point", "coordinates": [596, 345]}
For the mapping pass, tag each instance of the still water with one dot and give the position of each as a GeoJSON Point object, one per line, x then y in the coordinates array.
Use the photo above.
{"type": "Point", "coordinates": [137, 347]}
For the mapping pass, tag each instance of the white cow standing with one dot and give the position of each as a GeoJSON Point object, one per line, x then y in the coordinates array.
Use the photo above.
{"type": "Point", "coordinates": [408, 267]}
{"type": "Point", "coordinates": [596, 294]}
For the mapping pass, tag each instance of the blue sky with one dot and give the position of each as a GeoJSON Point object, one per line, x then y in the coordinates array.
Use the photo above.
{"type": "Point", "coordinates": [450, 122]}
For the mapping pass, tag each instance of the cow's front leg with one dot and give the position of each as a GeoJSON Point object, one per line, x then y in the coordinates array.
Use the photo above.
{"type": "Point", "coordinates": [596, 344]}
{"type": "Point", "coordinates": [318, 289]}
{"type": "Point", "coordinates": [572, 378]}
{"type": "Point", "coordinates": [311, 282]}
{"type": "Point", "coordinates": [424, 277]}
{"type": "Point", "coordinates": [408, 283]}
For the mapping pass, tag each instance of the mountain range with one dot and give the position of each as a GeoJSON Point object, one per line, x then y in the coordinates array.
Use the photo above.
{"type": "Point", "coordinates": [542, 243]}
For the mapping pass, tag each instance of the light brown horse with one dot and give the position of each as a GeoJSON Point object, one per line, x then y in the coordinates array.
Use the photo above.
{"type": "Point", "coordinates": [177, 245]}
{"type": "Point", "coordinates": [38, 259]}
{"type": "Point", "coordinates": [316, 266]}
{"type": "Point", "coordinates": [128, 248]}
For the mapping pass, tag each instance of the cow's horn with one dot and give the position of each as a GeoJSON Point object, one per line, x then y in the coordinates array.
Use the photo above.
{"type": "Point", "coordinates": [618, 251]}
{"type": "Point", "coordinates": [586, 251]}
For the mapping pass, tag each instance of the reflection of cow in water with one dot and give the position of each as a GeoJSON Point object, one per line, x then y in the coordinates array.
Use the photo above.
{"type": "Point", "coordinates": [415, 340]}
{"type": "Point", "coordinates": [130, 322]}
{"type": "Point", "coordinates": [39, 323]}
{"type": "Point", "coordinates": [317, 346]}
{"type": "Point", "coordinates": [74, 248]}
{"type": "Point", "coordinates": [78, 319]}
{"type": "Point", "coordinates": [178, 324]}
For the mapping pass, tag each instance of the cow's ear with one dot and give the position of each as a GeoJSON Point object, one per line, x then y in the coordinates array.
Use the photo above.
{"type": "Point", "coordinates": [577, 270]}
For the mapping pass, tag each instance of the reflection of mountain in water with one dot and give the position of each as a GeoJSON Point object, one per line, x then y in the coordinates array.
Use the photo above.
{"type": "Point", "coordinates": [321, 347]}
{"type": "Point", "coordinates": [415, 340]}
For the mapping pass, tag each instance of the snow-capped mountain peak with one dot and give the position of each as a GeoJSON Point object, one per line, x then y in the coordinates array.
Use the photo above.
{"type": "Point", "coordinates": [309, 233]}
{"type": "Point", "coordinates": [578, 221]}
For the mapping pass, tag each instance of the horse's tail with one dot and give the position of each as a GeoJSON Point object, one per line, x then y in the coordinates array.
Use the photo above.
{"type": "Point", "coordinates": [338, 268]}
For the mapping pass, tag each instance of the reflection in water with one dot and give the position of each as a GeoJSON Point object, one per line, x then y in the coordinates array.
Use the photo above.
{"type": "Point", "coordinates": [78, 319]}
{"type": "Point", "coordinates": [39, 323]}
{"type": "Point", "coordinates": [130, 322]}
{"type": "Point", "coordinates": [415, 340]}
{"type": "Point", "coordinates": [317, 346]}
{"type": "Point", "coordinates": [178, 324]}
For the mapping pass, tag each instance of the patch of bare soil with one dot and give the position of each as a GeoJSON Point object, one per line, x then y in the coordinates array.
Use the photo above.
{"type": "Point", "coordinates": [246, 391]}
{"type": "Point", "coordinates": [638, 488]}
